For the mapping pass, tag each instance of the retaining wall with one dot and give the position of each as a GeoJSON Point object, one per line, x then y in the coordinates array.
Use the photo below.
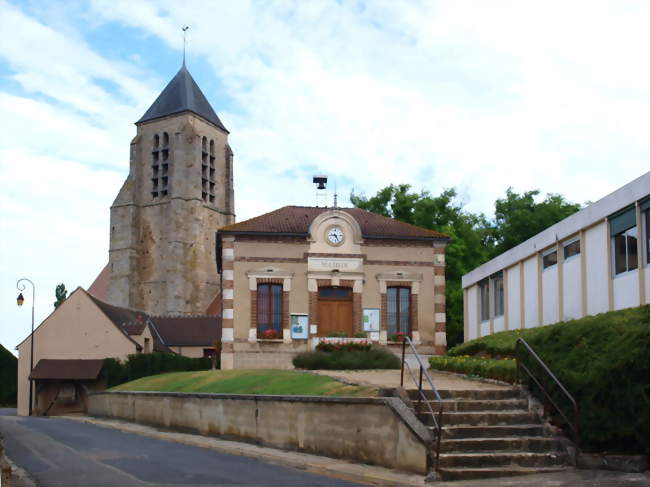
{"type": "Point", "coordinates": [377, 431]}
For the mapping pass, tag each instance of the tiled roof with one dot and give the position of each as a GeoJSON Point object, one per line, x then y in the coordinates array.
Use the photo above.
{"type": "Point", "coordinates": [99, 287]}
{"type": "Point", "coordinates": [182, 94]}
{"type": "Point", "coordinates": [67, 369]}
{"type": "Point", "coordinates": [295, 220]}
{"type": "Point", "coordinates": [188, 331]}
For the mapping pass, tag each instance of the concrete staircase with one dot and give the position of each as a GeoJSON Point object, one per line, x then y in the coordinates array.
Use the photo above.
{"type": "Point", "coordinates": [491, 433]}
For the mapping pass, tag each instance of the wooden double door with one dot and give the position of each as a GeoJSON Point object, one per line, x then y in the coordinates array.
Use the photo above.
{"type": "Point", "coordinates": [335, 311]}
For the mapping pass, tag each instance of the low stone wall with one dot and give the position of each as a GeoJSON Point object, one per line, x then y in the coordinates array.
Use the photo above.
{"type": "Point", "coordinates": [377, 431]}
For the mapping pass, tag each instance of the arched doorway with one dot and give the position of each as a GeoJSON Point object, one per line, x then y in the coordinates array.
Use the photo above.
{"type": "Point", "coordinates": [335, 311]}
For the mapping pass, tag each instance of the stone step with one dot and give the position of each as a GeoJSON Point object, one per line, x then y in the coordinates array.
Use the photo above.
{"type": "Point", "coordinates": [458, 432]}
{"type": "Point", "coordinates": [501, 459]}
{"type": "Point", "coordinates": [534, 444]}
{"type": "Point", "coordinates": [469, 405]}
{"type": "Point", "coordinates": [488, 418]}
{"type": "Point", "coordinates": [484, 473]}
{"type": "Point", "coordinates": [486, 394]}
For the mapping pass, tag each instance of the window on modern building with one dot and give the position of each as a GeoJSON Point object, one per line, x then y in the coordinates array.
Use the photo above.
{"type": "Point", "coordinates": [399, 310]}
{"type": "Point", "coordinates": [625, 251]}
{"type": "Point", "coordinates": [623, 231]}
{"type": "Point", "coordinates": [497, 285]}
{"type": "Point", "coordinates": [269, 310]}
{"type": "Point", "coordinates": [549, 259]}
{"type": "Point", "coordinates": [571, 249]}
{"type": "Point", "coordinates": [484, 291]}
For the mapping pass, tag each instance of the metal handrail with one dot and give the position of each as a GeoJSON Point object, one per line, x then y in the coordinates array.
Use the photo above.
{"type": "Point", "coordinates": [575, 425]}
{"type": "Point", "coordinates": [423, 399]}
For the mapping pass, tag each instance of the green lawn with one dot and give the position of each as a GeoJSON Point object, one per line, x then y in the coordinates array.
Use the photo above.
{"type": "Point", "coordinates": [262, 381]}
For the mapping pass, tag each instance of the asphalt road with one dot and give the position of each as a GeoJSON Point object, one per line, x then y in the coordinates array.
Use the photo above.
{"type": "Point", "coordinates": [61, 452]}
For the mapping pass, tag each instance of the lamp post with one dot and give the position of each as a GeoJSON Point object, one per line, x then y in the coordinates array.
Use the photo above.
{"type": "Point", "coordinates": [20, 300]}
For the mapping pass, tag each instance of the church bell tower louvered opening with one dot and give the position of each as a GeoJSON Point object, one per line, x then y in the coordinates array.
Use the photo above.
{"type": "Point", "coordinates": [178, 192]}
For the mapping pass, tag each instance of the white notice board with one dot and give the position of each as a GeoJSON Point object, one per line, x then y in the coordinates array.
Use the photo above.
{"type": "Point", "coordinates": [370, 319]}
{"type": "Point", "coordinates": [299, 327]}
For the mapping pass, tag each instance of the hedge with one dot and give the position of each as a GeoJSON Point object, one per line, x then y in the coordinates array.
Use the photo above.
{"type": "Point", "coordinates": [8, 377]}
{"type": "Point", "coordinates": [145, 364]}
{"type": "Point", "coordinates": [604, 362]}
{"type": "Point", "coordinates": [505, 369]}
{"type": "Point", "coordinates": [373, 358]}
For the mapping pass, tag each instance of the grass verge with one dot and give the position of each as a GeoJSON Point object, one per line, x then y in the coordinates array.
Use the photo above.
{"type": "Point", "coordinates": [504, 369]}
{"type": "Point", "coordinates": [267, 382]}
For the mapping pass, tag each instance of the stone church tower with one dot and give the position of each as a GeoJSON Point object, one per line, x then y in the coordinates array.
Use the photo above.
{"type": "Point", "coordinates": [179, 191]}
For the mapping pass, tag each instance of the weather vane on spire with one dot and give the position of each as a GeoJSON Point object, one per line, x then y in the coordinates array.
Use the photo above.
{"type": "Point", "coordinates": [184, 29]}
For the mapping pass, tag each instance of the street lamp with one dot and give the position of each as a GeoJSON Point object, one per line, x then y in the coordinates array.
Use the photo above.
{"type": "Point", "coordinates": [20, 300]}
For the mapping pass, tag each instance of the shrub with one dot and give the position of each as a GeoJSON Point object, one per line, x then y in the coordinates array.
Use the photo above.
{"type": "Point", "coordinates": [374, 358]}
{"type": "Point", "coordinates": [8, 377]}
{"type": "Point", "coordinates": [337, 334]}
{"type": "Point", "coordinates": [397, 337]}
{"type": "Point", "coordinates": [145, 364]}
{"type": "Point", "coordinates": [271, 334]}
{"type": "Point", "coordinates": [604, 362]}
{"type": "Point", "coordinates": [325, 346]}
{"type": "Point", "coordinates": [504, 369]}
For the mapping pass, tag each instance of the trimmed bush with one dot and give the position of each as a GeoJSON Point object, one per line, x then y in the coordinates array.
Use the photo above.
{"type": "Point", "coordinates": [373, 358]}
{"type": "Point", "coordinates": [8, 377]}
{"type": "Point", "coordinates": [505, 369]}
{"type": "Point", "coordinates": [145, 364]}
{"type": "Point", "coordinates": [325, 346]}
{"type": "Point", "coordinates": [604, 362]}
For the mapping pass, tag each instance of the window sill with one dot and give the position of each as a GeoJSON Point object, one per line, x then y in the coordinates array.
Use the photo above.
{"type": "Point", "coordinates": [626, 273]}
{"type": "Point", "coordinates": [271, 340]}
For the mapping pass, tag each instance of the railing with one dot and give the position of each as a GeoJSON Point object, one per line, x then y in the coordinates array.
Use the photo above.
{"type": "Point", "coordinates": [437, 424]}
{"type": "Point", "coordinates": [522, 346]}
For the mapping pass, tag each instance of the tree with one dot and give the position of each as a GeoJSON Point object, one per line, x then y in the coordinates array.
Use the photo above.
{"type": "Point", "coordinates": [470, 237]}
{"type": "Point", "coordinates": [518, 217]}
{"type": "Point", "coordinates": [61, 295]}
{"type": "Point", "coordinates": [474, 238]}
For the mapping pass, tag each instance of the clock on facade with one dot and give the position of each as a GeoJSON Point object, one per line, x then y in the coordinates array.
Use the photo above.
{"type": "Point", "coordinates": [335, 235]}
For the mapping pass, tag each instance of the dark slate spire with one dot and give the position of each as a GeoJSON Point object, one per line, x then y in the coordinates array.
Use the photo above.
{"type": "Point", "coordinates": [180, 95]}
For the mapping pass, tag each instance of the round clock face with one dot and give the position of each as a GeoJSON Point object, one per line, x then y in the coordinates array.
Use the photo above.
{"type": "Point", "coordinates": [335, 235]}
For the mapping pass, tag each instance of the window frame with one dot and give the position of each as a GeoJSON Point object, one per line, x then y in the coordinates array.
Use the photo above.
{"type": "Point", "coordinates": [567, 244]}
{"type": "Point", "coordinates": [545, 254]}
{"type": "Point", "coordinates": [398, 310]}
{"type": "Point", "coordinates": [645, 222]}
{"type": "Point", "coordinates": [268, 322]}
{"type": "Point", "coordinates": [484, 299]}
{"type": "Point", "coordinates": [498, 309]}
{"type": "Point", "coordinates": [624, 233]}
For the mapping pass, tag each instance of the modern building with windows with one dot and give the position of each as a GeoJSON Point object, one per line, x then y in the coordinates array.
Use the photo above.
{"type": "Point", "coordinates": [299, 274]}
{"type": "Point", "coordinates": [593, 261]}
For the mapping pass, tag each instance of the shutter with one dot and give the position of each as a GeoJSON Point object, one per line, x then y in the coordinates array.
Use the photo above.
{"type": "Point", "coordinates": [621, 221]}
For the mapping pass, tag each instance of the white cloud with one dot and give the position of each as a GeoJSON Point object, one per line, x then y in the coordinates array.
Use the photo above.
{"type": "Point", "coordinates": [477, 95]}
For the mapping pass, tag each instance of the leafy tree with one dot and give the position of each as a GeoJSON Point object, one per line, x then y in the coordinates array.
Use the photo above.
{"type": "Point", "coordinates": [518, 217]}
{"type": "Point", "coordinates": [474, 238]}
{"type": "Point", "coordinates": [61, 294]}
{"type": "Point", "coordinates": [470, 237]}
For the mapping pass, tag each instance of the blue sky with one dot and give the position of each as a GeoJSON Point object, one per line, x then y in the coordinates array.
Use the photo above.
{"type": "Point", "coordinates": [471, 94]}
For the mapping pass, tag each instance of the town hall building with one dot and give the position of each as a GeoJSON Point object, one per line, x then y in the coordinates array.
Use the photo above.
{"type": "Point", "coordinates": [183, 277]}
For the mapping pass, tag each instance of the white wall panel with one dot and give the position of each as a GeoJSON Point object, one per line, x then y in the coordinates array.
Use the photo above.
{"type": "Point", "coordinates": [514, 300]}
{"type": "Point", "coordinates": [472, 312]}
{"type": "Point", "coordinates": [597, 273]}
{"type": "Point", "coordinates": [572, 288]}
{"type": "Point", "coordinates": [530, 292]}
{"type": "Point", "coordinates": [550, 295]}
{"type": "Point", "coordinates": [485, 328]}
{"type": "Point", "coordinates": [499, 324]}
{"type": "Point", "coordinates": [626, 290]}
{"type": "Point", "coordinates": [647, 284]}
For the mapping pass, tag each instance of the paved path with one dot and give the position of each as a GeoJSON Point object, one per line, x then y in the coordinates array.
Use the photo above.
{"type": "Point", "coordinates": [391, 378]}
{"type": "Point", "coordinates": [64, 452]}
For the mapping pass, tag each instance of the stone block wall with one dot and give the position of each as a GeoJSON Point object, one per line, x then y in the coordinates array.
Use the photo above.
{"type": "Point", "coordinates": [377, 431]}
